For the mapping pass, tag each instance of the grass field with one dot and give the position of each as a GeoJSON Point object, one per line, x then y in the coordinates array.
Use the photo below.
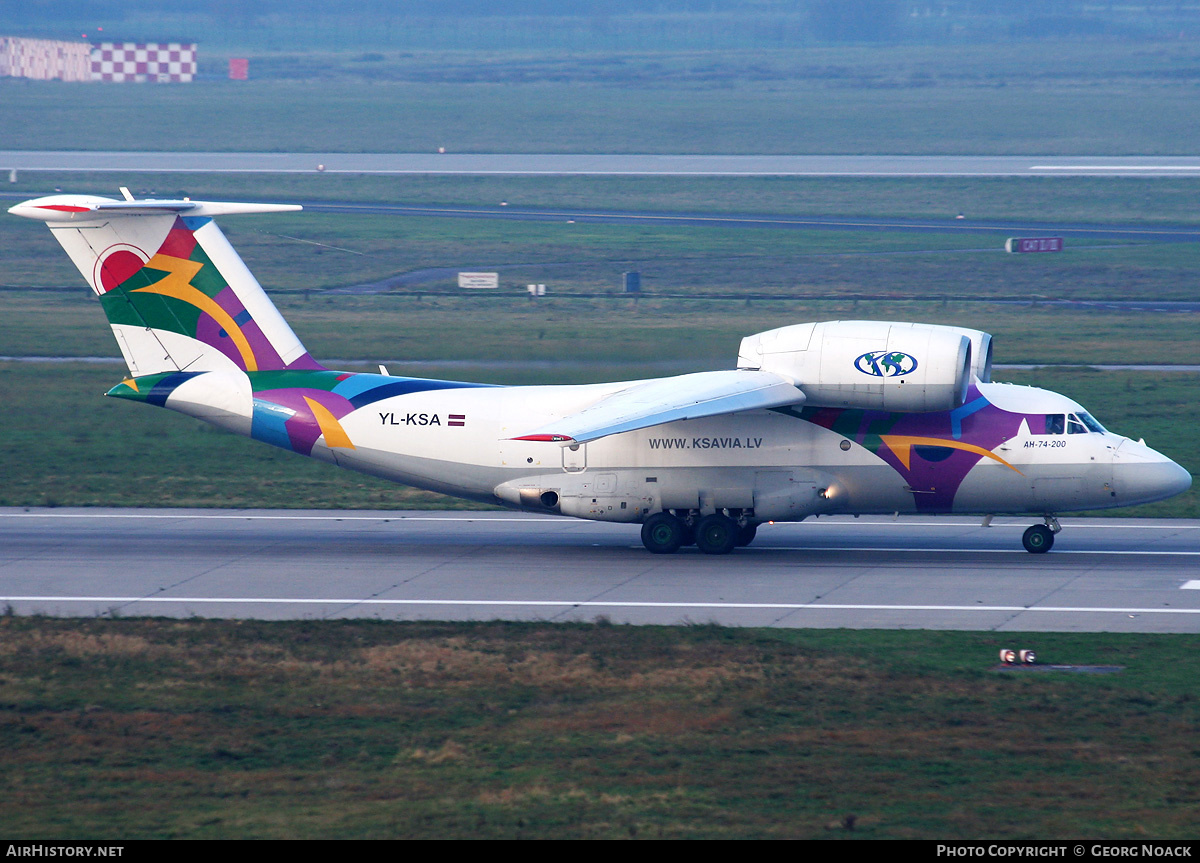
{"type": "Point", "coordinates": [129, 729]}
{"type": "Point", "coordinates": [315, 251]}
{"type": "Point", "coordinates": [1079, 98]}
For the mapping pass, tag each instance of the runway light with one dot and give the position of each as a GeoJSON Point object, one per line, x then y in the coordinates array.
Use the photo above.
{"type": "Point", "coordinates": [1028, 657]}
{"type": "Point", "coordinates": [1008, 657]}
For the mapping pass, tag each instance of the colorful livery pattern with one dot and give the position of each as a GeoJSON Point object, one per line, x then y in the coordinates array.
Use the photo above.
{"type": "Point", "coordinates": [932, 452]}
{"type": "Point", "coordinates": [179, 289]}
{"type": "Point", "coordinates": [295, 409]}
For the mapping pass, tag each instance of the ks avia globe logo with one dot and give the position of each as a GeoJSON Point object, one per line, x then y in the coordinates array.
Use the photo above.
{"type": "Point", "coordinates": [886, 364]}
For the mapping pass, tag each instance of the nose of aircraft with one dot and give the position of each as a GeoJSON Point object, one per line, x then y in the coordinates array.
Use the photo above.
{"type": "Point", "coordinates": [1141, 475]}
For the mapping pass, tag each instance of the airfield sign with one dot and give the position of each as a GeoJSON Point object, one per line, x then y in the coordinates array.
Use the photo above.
{"type": "Point", "coordinates": [1033, 244]}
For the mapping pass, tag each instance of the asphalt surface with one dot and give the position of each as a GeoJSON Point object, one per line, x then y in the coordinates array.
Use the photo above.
{"type": "Point", "coordinates": [1143, 233]}
{"type": "Point", "coordinates": [1135, 575]}
{"type": "Point", "coordinates": [601, 164]}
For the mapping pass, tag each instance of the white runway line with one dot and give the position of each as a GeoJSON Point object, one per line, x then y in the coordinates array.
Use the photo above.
{"type": "Point", "coordinates": [963, 550]}
{"type": "Point", "coordinates": [240, 517]}
{"type": "Point", "coordinates": [1114, 167]}
{"type": "Point", "coordinates": [533, 603]}
{"type": "Point", "coordinates": [1190, 585]}
{"type": "Point", "coordinates": [543, 519]}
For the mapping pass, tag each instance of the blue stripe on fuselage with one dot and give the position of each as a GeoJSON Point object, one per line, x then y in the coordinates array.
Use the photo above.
{"type": "Point", "coordinates": [163, 388]}
{"type": "Point", "coordinates": [362, 390]}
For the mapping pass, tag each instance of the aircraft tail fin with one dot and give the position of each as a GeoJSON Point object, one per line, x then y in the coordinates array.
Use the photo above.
{"type": "Point", "coordinates": [177, 295]}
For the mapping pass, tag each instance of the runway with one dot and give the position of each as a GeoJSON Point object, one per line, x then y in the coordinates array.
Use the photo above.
{"type": "Point", "coordinates": [567, 164]}
{"type": "Point", "coordinates": [1159, 233]}
{"type": "Point", "coordinates": [1129, 575]}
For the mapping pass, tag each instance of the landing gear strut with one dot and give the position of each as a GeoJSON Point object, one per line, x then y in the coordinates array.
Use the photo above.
{"type": "Point", "coordinates": [1039, 538]}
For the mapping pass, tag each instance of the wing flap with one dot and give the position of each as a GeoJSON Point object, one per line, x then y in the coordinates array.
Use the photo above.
{"type": "Point", "coordinates": [664, 400]}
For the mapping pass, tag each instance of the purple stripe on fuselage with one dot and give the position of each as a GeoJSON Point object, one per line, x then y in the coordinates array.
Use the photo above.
{"type": "Point", "coordinates": [303, 429]}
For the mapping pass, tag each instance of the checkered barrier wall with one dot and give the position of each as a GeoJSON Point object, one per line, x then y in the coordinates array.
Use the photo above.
{"type": "Point", "coordinates": [44, 59]}
{"type": "Point", "coordinates": [160, 62]}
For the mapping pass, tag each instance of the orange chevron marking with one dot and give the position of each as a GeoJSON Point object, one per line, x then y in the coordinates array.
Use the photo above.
{"type": "Point", "coordinates": [335, 435]}
{"type": "Point", "coordinates": [902, 446]}
{"type": "Point", "coordinates": [177, 284]}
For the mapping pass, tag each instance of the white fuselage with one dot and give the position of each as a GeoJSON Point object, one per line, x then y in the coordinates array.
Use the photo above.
{"type": "Point", "coordinates": [775, 464]}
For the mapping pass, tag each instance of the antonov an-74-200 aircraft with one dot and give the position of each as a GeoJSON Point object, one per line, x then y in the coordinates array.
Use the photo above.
{"type": "Point", "coordinates": [818, 418]}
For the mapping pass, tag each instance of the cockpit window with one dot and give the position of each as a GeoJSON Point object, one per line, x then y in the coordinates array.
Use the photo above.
{"type": "Point", "coordinates": [1076, 423]}
{"type": "Point", "coordinates": [1090, 422]}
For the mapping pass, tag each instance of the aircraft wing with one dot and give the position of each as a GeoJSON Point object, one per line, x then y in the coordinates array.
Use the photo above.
{"type": "Point", "coordinates": [664, 400]}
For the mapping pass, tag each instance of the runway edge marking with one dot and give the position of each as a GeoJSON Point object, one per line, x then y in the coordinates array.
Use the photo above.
{"type": "Point", "coordinates": [508, 603]}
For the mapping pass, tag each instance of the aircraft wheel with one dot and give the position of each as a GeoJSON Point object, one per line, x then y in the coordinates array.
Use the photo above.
{"type": "Point", "coordinates": [1038, 539]}
{"type": "Point", "coordinates": [745, 535]}
{"type": "Point", "coordinates": [662, 533]}
{"type": "Point", "coordinates": [716, 534]}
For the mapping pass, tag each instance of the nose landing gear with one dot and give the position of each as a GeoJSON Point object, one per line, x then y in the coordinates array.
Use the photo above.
{"type": "Point", "coordinates": [1039, 538]}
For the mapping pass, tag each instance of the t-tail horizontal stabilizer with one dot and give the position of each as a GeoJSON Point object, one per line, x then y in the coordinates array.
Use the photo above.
{"type": "Point", "coordinates": [178, 297]}
{"type": "Point", "coordinates": [82, 208]}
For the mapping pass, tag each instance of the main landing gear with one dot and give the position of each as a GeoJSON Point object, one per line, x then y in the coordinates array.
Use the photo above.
{"type": "Point", "coordinates": [664, 533]}
{"type": "Point", "coordinates": [1039, 538]}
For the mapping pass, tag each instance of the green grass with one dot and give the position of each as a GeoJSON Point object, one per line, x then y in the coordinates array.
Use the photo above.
{"type": "Point", "coordinates": [1079, 98]}
{"type": "Point", "coordinates": [596, 335]}
{"type": "Point", "coordinates": [72, 446]}
{"type": "Point", "coordinates": [130, 729]}
{"type": "Point", "coordinates": [316, 251]}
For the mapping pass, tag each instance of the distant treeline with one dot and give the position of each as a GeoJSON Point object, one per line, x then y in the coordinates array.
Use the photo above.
{"type": "Point", "coordinates": [592, 25]}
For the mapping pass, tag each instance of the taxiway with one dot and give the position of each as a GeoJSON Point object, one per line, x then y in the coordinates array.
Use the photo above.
{"type": "Point", "coordinates": [1126, 575]}
{"type": "Point", "coordinates": [567, 164]}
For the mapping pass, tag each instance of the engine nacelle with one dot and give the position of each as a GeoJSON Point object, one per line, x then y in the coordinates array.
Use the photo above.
{"type": "Point", "coordinates": [881, 365]}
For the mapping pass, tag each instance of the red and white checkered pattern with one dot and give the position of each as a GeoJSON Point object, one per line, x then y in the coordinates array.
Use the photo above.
{"type": "Point", "coordinates": [161, 62]}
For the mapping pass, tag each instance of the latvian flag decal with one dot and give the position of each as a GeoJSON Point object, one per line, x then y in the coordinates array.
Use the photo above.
{"type": "Point", "coordinates": [457, 420]}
